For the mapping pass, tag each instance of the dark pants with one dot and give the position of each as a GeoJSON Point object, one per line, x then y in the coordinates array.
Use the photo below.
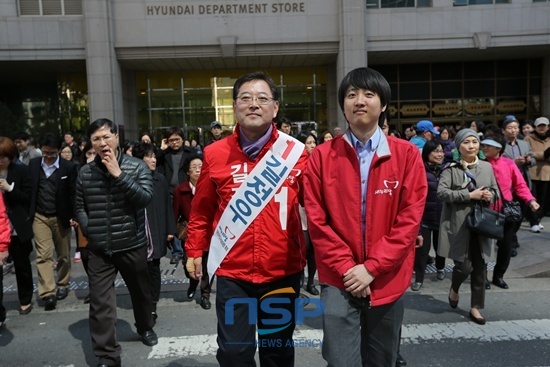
{"type": "Point", "coordinates": [311, 265]}
{"type": "Point", "coordinates": [153, 267]}
{"type": "Point", "coordinates": [505, 246]}
{"type": "Point", "coordinates": [421, 255]}
{"type": "Point", "coordinates": [541, 193]}
{"type": "Point", "coordinates": [102, 274]}
{"type": "Point", "coordinates": [356, 334]}
{"type": "Point", "coordinates": [20, 252]}
{"type": "Point", "coordinates": [237, 337]}
{"type": "Point", "coordinates": [473, 265]}
{"type": "Point", "coordinates": [206, 287]}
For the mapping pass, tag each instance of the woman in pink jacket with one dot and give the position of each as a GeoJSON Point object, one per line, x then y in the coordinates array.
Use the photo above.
{"type": "Point", "coordinates": [5, 238]}
{"type": "Point", "coordinates": [512, 186]}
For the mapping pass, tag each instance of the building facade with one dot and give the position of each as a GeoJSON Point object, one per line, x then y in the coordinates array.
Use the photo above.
{"type": "Point", "coordinates": [151, 64]}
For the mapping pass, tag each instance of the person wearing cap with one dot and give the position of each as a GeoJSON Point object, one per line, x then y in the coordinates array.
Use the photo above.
{"type": "Point", "coordinates": [424, 131]}
{"type": "Point", "coordinates": [539, 141]}
{"type": "Point", "coordinates": [461, 184]}
{"type": "Point", "coordinates": [520, 152]}
{"type": "Point", "coordinates": [512, 185]}
{"type": "Point", "coordinates": [216, 131]}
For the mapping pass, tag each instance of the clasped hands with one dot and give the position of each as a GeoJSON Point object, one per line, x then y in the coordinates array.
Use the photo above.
{"type": "Point", "coordinates": [194, 267]}
{"type": "Point", "coordinates": [357, 281]}
{"type": "Point", "coordinates": [481, 193]}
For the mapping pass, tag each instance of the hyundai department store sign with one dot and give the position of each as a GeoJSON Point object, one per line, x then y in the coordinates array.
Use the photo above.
{"type": "Point", "coordinates": [222, 8]}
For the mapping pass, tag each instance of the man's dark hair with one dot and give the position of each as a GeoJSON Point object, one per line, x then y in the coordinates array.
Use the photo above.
{"type": "Point", "coordinates": [282, 121]}
{"type": "Point", "coordinates": [142, 150]}
{"type": "Point", "coordinates": [68, 133]}
{"type": "Point", "coordinates": [21, 135]}
{"type": "Point", "coordinates": [250, 77]}
{"type": "Point", "coordinates": [188, 161]}
{"type": "Point", "coordinates": [173, 130]}
{"type": "Point", "coordinates": [51, 140]}
{"type": "Point", "coordinates": [99, 123]}
{"type": "Point", "coordinates": [366, 78]}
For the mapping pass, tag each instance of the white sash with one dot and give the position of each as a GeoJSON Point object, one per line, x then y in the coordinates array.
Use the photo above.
{"type": "Point", "coordinates": [252, 196]}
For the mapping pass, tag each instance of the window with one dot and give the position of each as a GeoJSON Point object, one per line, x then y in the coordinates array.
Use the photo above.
{"type": "Point", "coordinates": [50, 7]}
{"type": "Point", "coordinates": [375, 4]}
{"type": "Point", "coordinates": [481, 2]}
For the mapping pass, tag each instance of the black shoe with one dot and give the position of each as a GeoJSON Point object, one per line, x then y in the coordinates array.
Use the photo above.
{"type": "Point", "coordinates": [191, 293]}
{"type": "Point", "coordinates": [205, 303]}
{"type": "Point", "coordinates": [61, 293]}
{"type": "Point", "coordinates": [49, 303]}
{"type": "Point", "coordinates": [155, 315]}
{"type": "Point", "coordinates": [400, 361]}
{"type": "Point", "coordinates": [514, 252]}
{"type": "Point", "coordinates": [452, 303]}
{"type": "Point", "coordinates": [26, 311]}
{"type": "Point", "coordinates": [487, 284]}
{"type": "Point", "coordinates": [175, 260]}
{"type": "Point", "coordinates": [479, 321]}
{"type": "Point", "coordinates": [431, 260]}
{"type": "Point", "coordinates": [311, 289]}
{"type": "Point", "coordinates": [149, 338]}
{"type": "Point", "coordinates": [499, 282]}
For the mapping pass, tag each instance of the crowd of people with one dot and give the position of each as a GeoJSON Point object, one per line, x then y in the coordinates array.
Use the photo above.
{"type": "Point", "coordinates": [256, 208]}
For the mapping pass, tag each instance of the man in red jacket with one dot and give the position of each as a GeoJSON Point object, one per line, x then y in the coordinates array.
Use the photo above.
{"type": "Point", "coordinates": [245, 213]}
{"type": "Point", "coordinates": [364, 196]}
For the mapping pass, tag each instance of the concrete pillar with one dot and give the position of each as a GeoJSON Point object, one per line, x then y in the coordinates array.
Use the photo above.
{"type": "Point", "coordinates": [353, 42]}
{"type": "Point", "coordinates": [545, 97]}
{"type": "Point", "coordinates": [102, 68]}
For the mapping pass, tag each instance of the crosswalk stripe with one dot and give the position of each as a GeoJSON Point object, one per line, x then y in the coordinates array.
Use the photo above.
{"type": "Point", "coordinates": [493, 331]}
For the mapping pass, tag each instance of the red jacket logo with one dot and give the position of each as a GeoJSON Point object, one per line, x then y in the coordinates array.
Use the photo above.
{"type": "Point", "coordinates": [389, 187]}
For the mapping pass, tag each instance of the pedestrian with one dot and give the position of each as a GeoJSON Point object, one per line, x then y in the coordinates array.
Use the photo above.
{"type": "Point", "coordinates": [364, 235]}
{"type": "Point", "coordinates": [26, 152]}
{"type": "Point", "coordinates": [4, 244]}
{"type": "Point", "coordinates": [461, 184]}
{"type": "Point", "coordinates": [16, 188]}
{"type": "Point", "coordinates": [52, 209]}
{"type": "Point", "coordinates": [112, 193]}
{"type": "Point", "coordinates": [252, 252]}
{"type": "Point", "coordinates": [160, 222]}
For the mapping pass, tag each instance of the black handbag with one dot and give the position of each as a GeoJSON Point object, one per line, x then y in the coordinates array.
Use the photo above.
{"type": "Point", "coordinates": [485, 222]}
{"type": "Point", "coordinates": [512, 211]}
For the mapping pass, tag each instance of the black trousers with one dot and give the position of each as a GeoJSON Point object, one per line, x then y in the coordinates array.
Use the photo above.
{"type": "Point", "coordinates": [505, 246]}
{"type": "Point", "coordinates": [237, 335]}
{"type": "Point", "coordinates": [102, 272]}
{"type": "Point", "coordinates": [20, 253]}
{"type": "Point", "coordinates": [421, 254]}
{"type": "Point", "coordinates": [311, 264]}
{"type": "Point", "coordinates": [475, 265]}
{"type": "Point", "coordinates": [542, 194]}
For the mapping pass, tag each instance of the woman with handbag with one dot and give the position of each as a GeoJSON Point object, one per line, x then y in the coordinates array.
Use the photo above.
{"type": "Point", "coordinates": [461, 184]}
{"type": "Point", "coordinates": [511, 184]}
{"type": "Point", "coordinates": [183, 196]}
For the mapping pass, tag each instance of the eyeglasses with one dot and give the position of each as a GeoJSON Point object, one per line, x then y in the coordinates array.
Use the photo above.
{"type": "Point", "coordinates": [262, 100]}
{"type": "Point", "coordinates": [176, 140]}
{"type": "Point", "coordinates": [106, 138]}
{"type": "Point", "coordinates": [194, 168]}
{"type": "Point", "coordinates": [438, 151]}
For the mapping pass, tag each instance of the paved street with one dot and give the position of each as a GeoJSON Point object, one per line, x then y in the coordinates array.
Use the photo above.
{"type": "Point", "coordinates": [517, 332]}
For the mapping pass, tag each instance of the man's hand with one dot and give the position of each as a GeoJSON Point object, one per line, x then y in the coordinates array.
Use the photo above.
{"type": "Point", "coordinates": [194, 267]}
{"type": "Point", "coordinates": [419, 241]}
{"type": "Point", "coordinates": [357, 281]}
{"type": "Point", "coordinates": [169, 237]}
{"type": "Point", "coordinates": [111, 163]}
{"type": "Point", "coordinates": [73, 223]}
{"type": "Point", "coordinates": [4, 185]}
{"type": "Point", "coordinates": [3, 257]}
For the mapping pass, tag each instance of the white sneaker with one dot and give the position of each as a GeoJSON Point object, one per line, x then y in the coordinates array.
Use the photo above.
{"type": "Point", "coordinates": [77, 257]}
{"type": "Point", "coordinates": [541, 226]}
{"type": "Point", "coordinates": [535, 229]}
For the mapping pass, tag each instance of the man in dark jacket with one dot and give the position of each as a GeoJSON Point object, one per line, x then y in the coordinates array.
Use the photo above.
{"type": "Point", "coordinates": [52, 208]}
{"type": "Point", "coordinates": [111, 194]}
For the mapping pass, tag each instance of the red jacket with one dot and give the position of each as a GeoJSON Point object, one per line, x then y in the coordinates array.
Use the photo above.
{"type": "Point", "coordinates": [396, 193]}
{"type": "Point", "coordinates": [5, 229]}
{"type": "Point", "coordinates": [266, 251]}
